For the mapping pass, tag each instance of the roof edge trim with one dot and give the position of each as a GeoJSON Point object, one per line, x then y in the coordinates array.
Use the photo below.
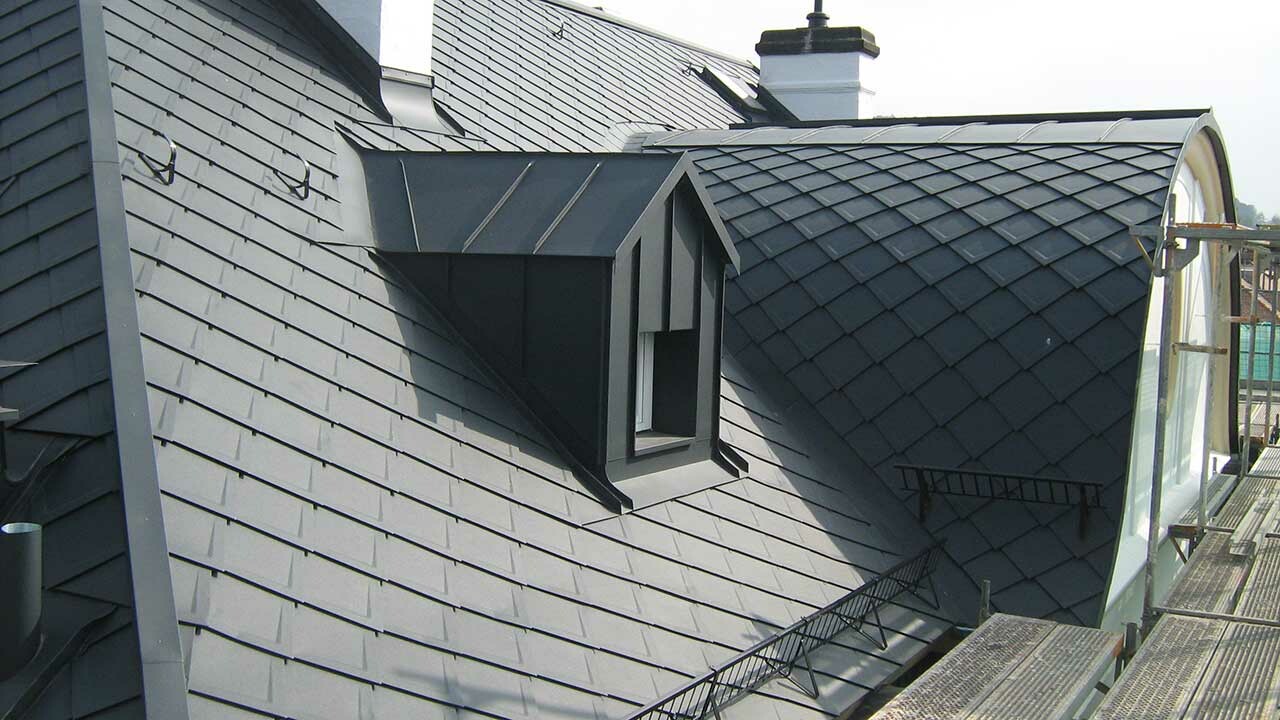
{"type": "Point", "coordinates": [164, 680]}
{"type": "Point", "coordinates": [989, 119]}
{"type": "Point", "coordinates": [685, 169]}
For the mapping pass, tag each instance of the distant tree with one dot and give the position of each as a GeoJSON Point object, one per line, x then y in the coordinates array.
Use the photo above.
{"type": "Point", "coordinates": [1247, 214]}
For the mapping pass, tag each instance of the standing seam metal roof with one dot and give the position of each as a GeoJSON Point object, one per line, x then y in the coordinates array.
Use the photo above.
{"type": "Point", "coordinates": [960, 295]}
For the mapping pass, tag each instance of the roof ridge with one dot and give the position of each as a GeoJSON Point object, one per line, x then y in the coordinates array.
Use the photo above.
{"type": "Point", "coordinates": [600, 13]}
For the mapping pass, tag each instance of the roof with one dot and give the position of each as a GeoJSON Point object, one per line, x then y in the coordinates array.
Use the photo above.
{"type": "Point", "coordinates": [358, 521]}
{"type": "Point", "coordinates": [962, 294]}
{"type": "Point", "coordinates": [550, 204]}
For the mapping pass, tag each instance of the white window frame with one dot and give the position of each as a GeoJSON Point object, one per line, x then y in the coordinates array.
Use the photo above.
{"type": "Point", "coordinates": [644, 381]}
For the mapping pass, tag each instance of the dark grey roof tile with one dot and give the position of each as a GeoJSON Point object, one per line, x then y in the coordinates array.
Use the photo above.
{"type": "Point", "coordinates": [883, 335]}
{"type": "Point", "coordinates": [895, 285]}
{"type": "Point", "coordinates": [869, 443]}
{"type": "Point", "coordinates": [873, 391]}
{"type": "Point", "coordinates": [1063, 371]}
{"type": "Point", "coordinates": [842, 241]}
{"type": "Point", "coordinates": [868, 262]}
{"type": "Point", "coordinates": [996, 567]}
{"type": "Point", "coordinates": [826, 283]}
{"type": "Point", "coordinates": [1039, 289]}
{"type": "Point", "coordinates": [1057, 432]}
{"type": "Point", "coordinates": [815, 331]}
{"type": "Point", "coordinates": [979, 244]}
{"type": "Point", "coordinates": [1116, 290]}
{"type": "Point", "coordinates": [1026, 598]}
{"type": "Point", "coordinates": [839, 412]}
{"type": "Point", "coordinates": [996, 312]}
{"type": "Point", "coordinates": [924, 310]}
{"type": "Point", "coordinates": [854, 308]}
{"type": "Point", "coordinates": [914, 364]}
{"type": "Point", "coordinates": [762, 280]}
{"type": "Point", "coordinates": [1030, 340]}
{"type": "Point", "coordinates": [788, 305]}
{"type": "Point", "coordinates": [979, 427]}
{"type": "Point", "coordinates": [1022, 399]}
{"type": "Point", "coordinates": [1008, 265]}
{"type": "Point", "coordinates": [903, 423]}
{"type": "Point", "coordinates": [955, 338]}
{"type": "Point", "coordinates": [1015, 453]}
{"type": "Point", "coordinates": [946, 395]}
{"type": "Point", "coordinates": [1104, 345]}
{"type": "Point", "coordinates": [809, 381]}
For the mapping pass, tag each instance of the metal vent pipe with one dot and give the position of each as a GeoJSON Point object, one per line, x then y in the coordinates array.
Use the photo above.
{"type": "Point", "coordinates": [21, 585]}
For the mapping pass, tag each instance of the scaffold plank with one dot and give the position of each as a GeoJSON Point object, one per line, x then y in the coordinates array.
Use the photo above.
{"type": "Point", "coordinates": [1161, 680]}
{"type": "Point", "coordinates": [970, 671]}
{"type": "Point", "coordinates": [1212, 578]}
{"type": "Point", "coordinates": [1056, 679]}
{"type": "Point", "coordinates": [1241, 679]}
{"type": "Point", "coordinates": [1260, 597]}
{"type": "Point", "coordinates": [1011, 667]}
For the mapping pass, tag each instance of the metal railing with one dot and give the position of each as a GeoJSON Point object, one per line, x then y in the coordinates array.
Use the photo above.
{"type": "Point", "coordinates": [781, 655]}
{"type": "Point", "coordinates": [928, 480]}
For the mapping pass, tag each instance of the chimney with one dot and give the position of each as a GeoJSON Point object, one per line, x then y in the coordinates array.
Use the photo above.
{"type": "Point", "coordinates": [21, 588]}
{"type": "Point", "coordinates": [818, 72]}
{"type": "Point", "coordinates": [394, 38]}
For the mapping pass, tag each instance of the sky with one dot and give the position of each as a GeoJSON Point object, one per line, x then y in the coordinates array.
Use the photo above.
{"type": "Point", "coordinates": [1004, 56]}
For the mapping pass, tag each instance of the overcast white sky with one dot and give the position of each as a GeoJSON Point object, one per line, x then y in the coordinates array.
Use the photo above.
{"type": "Point", "coordinates": [961, 57]}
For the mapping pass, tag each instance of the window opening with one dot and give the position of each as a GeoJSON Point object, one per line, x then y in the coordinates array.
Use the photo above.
{"type": "Point", "coordinates": [644, 382]}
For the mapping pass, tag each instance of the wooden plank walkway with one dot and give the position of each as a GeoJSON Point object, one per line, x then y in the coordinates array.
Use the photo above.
{"type": "Point", "coordinates": [1010, 667]}
{"type": "Point", "coordinates": [1215, 651]}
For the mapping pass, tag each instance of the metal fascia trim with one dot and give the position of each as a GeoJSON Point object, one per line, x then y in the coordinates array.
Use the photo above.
{"type": "Point", "coordinates": [164, 682]}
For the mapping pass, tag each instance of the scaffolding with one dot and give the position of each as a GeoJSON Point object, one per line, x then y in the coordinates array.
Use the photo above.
{"type": "Point", "coordinates": [1176, 246]}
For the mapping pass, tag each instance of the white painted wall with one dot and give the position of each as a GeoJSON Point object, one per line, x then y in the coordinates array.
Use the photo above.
{"type": "Point", "coordinates": [1198, 311]}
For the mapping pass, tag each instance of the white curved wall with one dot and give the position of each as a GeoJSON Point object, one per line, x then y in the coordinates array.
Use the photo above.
{"type": "Point", "coordinates": [1202, 301]}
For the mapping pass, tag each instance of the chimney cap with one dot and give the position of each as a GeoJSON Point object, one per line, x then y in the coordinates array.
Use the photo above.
{"type": "Point", "coordinates": [817, 39]}
{"type": "Point", "coordinates": [817, 18]}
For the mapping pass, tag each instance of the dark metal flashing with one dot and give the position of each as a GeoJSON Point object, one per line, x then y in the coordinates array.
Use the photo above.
{"type": "Point", "coordinates": [603, 490]}
{"type": "Point", "coordinates": [346, 53]}
{"type": "Point", "coordinates": [992, 119]}
{"type": "Point", "coordinates": [163, 679]}
{"type": "Point", "coordinates": [807, 40]}
{"type": "Point", "coordinates": [635, 183]}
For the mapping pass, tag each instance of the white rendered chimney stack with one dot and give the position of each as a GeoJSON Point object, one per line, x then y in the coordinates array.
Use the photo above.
{"type": "Point", "coordinates": [819, 72]}
{"type": "Point", "coordinates": [396, 34]}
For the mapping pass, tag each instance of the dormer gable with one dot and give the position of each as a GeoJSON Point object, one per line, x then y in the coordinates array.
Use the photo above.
{"type": "Point", "coordinates": [591, 284]}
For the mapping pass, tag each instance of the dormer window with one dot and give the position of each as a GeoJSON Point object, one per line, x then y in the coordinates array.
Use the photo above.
{"type": "Point", "coordinates": [592, 285]}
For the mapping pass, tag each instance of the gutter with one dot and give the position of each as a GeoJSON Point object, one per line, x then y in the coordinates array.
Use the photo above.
{"type": "Point", "coordinates": [164, 683]}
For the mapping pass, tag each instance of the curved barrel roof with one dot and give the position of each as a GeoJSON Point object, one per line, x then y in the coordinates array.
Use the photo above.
{"type": "Point", "coordinates": [959, 293]}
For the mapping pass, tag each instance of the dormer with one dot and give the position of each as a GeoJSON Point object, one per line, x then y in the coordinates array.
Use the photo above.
{"type": "Point", "coordinates": [591, 284]}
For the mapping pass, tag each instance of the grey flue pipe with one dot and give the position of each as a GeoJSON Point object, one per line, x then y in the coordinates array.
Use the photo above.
{"type": "Point", "coordinates": [21, 586]}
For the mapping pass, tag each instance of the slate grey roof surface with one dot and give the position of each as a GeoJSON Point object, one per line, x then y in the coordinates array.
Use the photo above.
{"type": "Point", "coordinates": [963, 296]}
{"type": "Point", "coordinates": [359, 523]}
{"type": "Point", "coordinates": [529, 74]}
{"type": "Point", "coordinates": [52, 314]}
